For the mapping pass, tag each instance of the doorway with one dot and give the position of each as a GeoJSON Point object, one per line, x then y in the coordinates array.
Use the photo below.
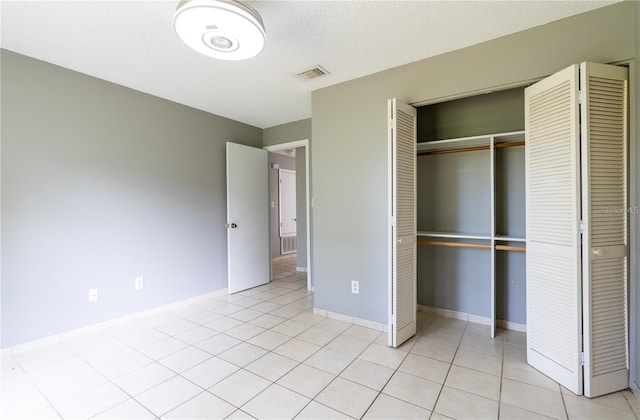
{"type": "Point", "coordinates": [303, 215]}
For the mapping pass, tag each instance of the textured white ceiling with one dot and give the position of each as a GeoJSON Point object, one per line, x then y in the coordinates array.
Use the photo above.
{"type": "Point", "coordinates": [132, 43]}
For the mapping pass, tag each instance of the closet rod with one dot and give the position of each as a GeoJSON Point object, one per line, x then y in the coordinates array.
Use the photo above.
{"type": "Point", "coordinates": [470, 149]}
{"type": "Point", "coordinates": [473, 245]}
{"type": "Point", "coordinates": [455, 244]}
{"type": "Point", "coordinates": [510, 248]}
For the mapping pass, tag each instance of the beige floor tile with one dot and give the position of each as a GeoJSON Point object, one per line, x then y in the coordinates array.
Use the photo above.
{"type": "Point", "coordinates": [267, 321]}
{"type": "Point", "coordinates": [463, 405]}
{"type": "Point", "coordinates": [523, 372]}
{"type": "Point", "coordinates": [616, 400]}
{"type": "Point", "coordinates": [242, 354]}
{"type": "Point", "coordinates": [246, 315]}
{"type": "Point", "coordinates": [271, 366]}
{"type": "Point", "coordinates": [184, 359]}
{"type": "Point", "coordinates": [329, 360]}
{"type": "Point", "coordinates": [478, 329]}
{"type": "Point", "coordinates": [266, 307]}
{"type": "Point", "coordinates": [363, 333]}
{"type": "Point", "coordinates": [177, 327]}
{"type": "Point", "coordinates": [145, 338]}
{"type": "Point", "coordinates": [129, 409]}
{"type": "Point", "coordinates": [486, 345]}
{"type": "Point", "coordinates": [383, 355]}
{"type": "Point", "coordinates": [438, 416]}
{"type": "Point", "coordinates": [20, 398]}
{"type": "Point", "coordinates": [347, 397]}
{"type": "Point", "coordinates": [291, 328]}
{"type": "Point", "coordinates": [195, 335]}
{"type": "Point", "coordinates": [509, 412]}
{"type": "Point", "coordinates": [204, 317]}
{"type": "Point", "coordinates": [239, 387]}
{"type": "Point", "coordinates": [515, 352]}
{"type": "Point", "coordinates": [276, 402]}
{"type": "Point", "coordinates": [424, 367]}
{"type": "Point", "coordinates": [210, 372]}
{"type": "Point", "coordinates": [47, 414]}
{"type": "Point", "coordinates": [368, 374]}
{"type": "Point", "coordinates": [163, 348]}
{"type": "Point", "coordinates": [239, 415]}
{"type": "Point", "coordinates": [227, 309]}
{"type": "Point", "coordinates": [168, 395]}
{"type": "Point", "coordinates": [223, 324]}
{"type": "Point", "coordinates": [386, 407]}
{"type": "Point", "coordinates": [244, 331]}
{"type": "Point", "coordinates": [318, 336]}
{"type": "Point", "coordinates": [123, 364]}
{"type": "Point", "coordinates": [333, 325]}
{"type": "Point", "coordinates": [475, 382]}
{"type": "Point", "coordinates": [60, 384]}
{"type": "Point", "coordinates": [297, 349]}
{"type": "Point", "coordinates": [479, 361]}
{"type": "Point", "coordinates": [412, 389]}
{"type": "Point", "coordinates": [443, 335]}
{"type": "Point", "coordinates": [306, 380]}
{"type": "Point", "coordinates": [583, 408]}
{"type": "Point", "coordinates": [633, 400]}
{"type": "Point", "coordinates": [91, 402]}
{"type": "Point", "coordinates": [203, 406]}
{"type": "Point", "coordinates": [532, 398]}
{"type": "Point", "coordinates": [146, 377]}
{"type": "Point", "coordinates": [515, 337]}
{"type": "Point", "coordinates": [316, 411]}
{"type": "Point", "coordinates": [434, 349]}
{"type": "Point", "coordinates": [308, 318]}
{"type": "Point", "coordinates": [269, 340]}
{"type": "Point", "coordinates": [449, 323]}
{"type": "Point", "coordinates": [217, 344]}
{"type": "Point", "coordinates": [350, 346]}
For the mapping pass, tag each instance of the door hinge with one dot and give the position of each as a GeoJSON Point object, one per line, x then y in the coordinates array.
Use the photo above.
{"type": "Point", "coordinates": [581, 227]}
{"type": "Point", "coordinates": [581, 358]}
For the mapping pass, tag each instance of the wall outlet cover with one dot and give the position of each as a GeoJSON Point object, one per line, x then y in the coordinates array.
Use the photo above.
{"type": "Point", "coordinates": [93, 295]}
{"type": "Point", "coordinates": [355, 287]}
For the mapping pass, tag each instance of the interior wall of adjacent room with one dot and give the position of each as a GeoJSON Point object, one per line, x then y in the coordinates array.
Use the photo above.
{"type": "Point", "coordinates": [283, 162]}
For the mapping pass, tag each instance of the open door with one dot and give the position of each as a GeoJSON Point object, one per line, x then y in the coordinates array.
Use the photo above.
{"type": "Point", "coordinates": [605, 217]}
{"type": "Point", "coordinates": [402, 222]}
{"type": "Point", "coordinates": [554, 295]}
{"type": "Point", "coordinates": [577, 246]}
{"type": "Point", "coordinates": [247, 217]}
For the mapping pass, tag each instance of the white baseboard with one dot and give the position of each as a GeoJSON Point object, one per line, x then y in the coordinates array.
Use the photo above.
{"type": "Point", "coordinates": [59, 338]}
{"type": "Point", "coordinates": [350, 319]}
{"type": "Point", "coordinates": [483, 320]}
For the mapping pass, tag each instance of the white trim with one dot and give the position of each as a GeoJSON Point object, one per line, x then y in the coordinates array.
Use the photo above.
{"type": "Point", "coordinates": [293, 145]}
{"type": "Point", "coordinates": [301, 269]}
{"type": "Point", "coordinates": [351, 320]}
{"type": "Point", "coordinates": [477, 319]}
{"type": "Point", "coordinates": [59, 338]}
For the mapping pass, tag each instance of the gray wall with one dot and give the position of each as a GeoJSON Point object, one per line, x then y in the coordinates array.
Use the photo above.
{"type": "Point", "coordinates": [349, 146]}
{"type": "Point", "coordinates": [101, 184]}
{"type": "Point", "coordinates": [284, 133]}
{"type": "Point", "coordinates": [285, 162]}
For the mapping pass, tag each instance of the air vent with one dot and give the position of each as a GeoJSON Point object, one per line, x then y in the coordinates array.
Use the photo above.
{"type": "Point", "coordinates": [313, 73]}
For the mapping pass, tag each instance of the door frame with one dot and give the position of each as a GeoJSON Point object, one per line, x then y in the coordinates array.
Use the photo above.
{"type": "Point", "coordinates": [307, 201]}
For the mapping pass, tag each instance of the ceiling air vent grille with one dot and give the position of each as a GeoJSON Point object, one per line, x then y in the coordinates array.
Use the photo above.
{"type": "Point", "coordinates": [313, 73]}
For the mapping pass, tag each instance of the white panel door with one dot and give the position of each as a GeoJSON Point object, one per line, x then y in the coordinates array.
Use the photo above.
{"type": "Point", "coordinates": [554, 296]}
{"type": "Point", "coordinates": [604, 213]}
{"type": "Point", "coordinates": [287, 202]}
{"type": "Point", "coordinates": [402, 222]}
{"type": "Point", "coordinates": [247, 217]}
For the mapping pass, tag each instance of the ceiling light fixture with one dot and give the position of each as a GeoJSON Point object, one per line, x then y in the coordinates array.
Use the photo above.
{"type": "Point", "coordinates": [224, 29]}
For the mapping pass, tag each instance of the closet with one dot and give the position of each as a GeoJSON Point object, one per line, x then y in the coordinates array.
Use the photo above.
{"type": "Point", "coordinates": [461, 244]}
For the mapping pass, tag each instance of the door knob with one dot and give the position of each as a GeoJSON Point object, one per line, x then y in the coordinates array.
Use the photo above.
{"type": "Point", "coordinates": [232, 225]}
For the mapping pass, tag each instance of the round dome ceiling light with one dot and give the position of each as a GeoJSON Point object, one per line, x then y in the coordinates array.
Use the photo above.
{"type": "Point", "coordinates": [224, 29]}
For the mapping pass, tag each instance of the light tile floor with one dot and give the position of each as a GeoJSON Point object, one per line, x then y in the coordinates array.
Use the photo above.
{"type": "Point", "coordinates": [263, 354]}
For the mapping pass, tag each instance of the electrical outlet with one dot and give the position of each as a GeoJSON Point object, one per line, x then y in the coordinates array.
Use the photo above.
{"type": "Point", "coordinates": [139, 283]}
{"type": "Point", "coordinates": [93, 295]}
{"type": "Point", "coordinates": [355, 287]}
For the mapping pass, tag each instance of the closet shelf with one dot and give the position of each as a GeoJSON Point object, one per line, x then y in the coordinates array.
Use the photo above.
{"type": "Point", "coordinates": [452, 235]}
{"type": "Point", "coordinates": [470, 143]}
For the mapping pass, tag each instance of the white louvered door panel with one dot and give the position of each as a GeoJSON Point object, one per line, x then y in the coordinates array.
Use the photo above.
{"type": "Point", "coordinates": [402, 222]}
{"type": "Point", "coordinates": [552, 154]}
{"type": "Point", "coordinates": [604, 212]}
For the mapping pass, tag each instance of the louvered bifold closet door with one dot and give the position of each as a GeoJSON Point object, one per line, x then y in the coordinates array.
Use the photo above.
{"type": "Point", "coordinates": [402, 222]}
{"type": "Point", "coordinates": [552, 227]}
{"type": "Point", "coordinates": [604, 213]}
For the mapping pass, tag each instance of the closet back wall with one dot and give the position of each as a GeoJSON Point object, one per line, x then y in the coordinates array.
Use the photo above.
{"type": "Point", "coordinates": [100, 184]}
